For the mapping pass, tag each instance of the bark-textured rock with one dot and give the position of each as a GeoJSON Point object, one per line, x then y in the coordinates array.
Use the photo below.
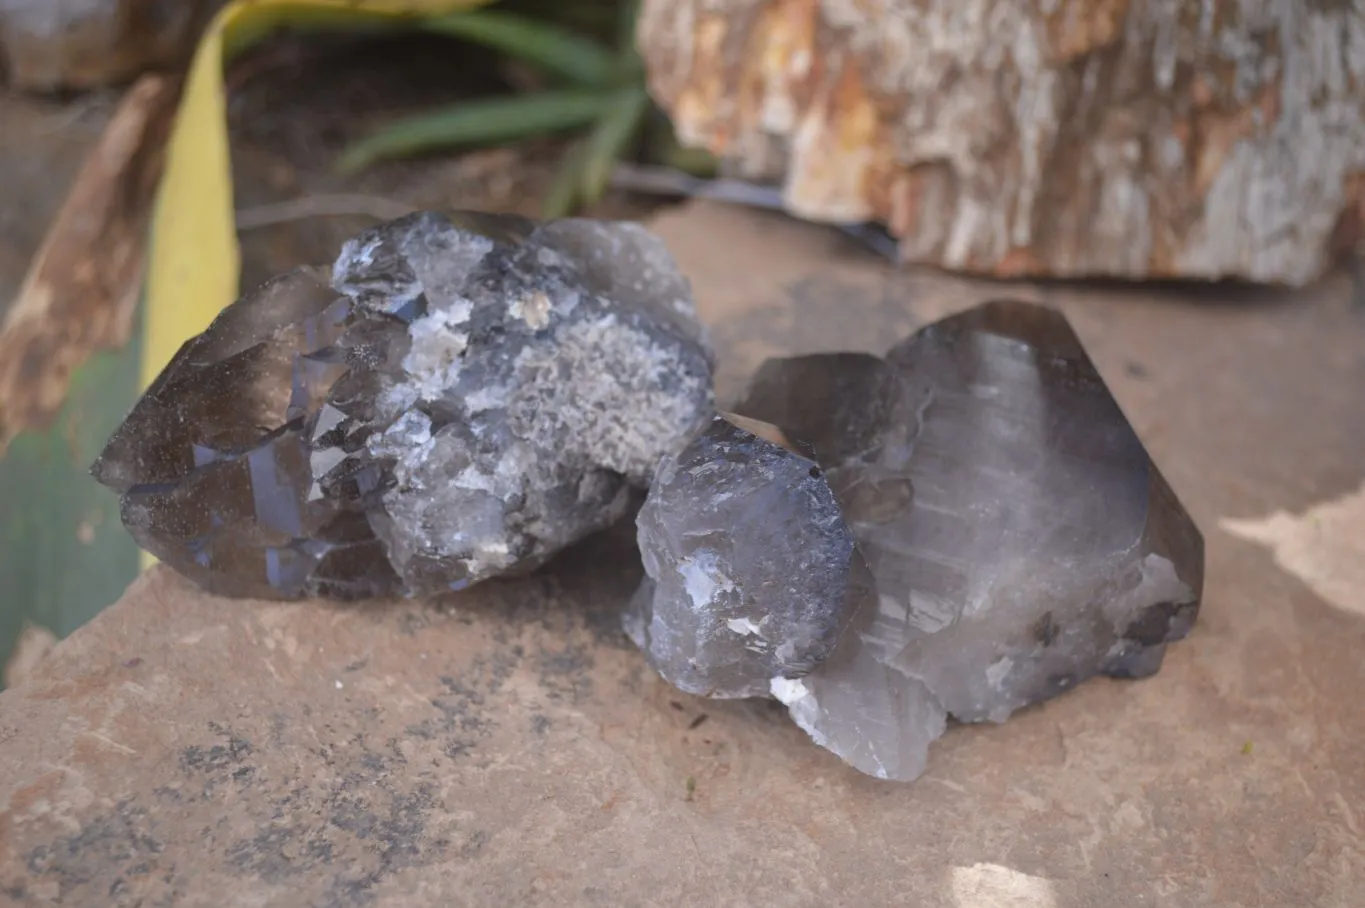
{"type": "Point", "coordinates": [1130, 138]}
{"type": "Point", "coordinates": [51, 44]}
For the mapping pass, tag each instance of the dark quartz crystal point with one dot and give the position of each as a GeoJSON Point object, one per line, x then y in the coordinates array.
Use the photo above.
{"type": "Point", "coordinates": [750, 569]}
{"type": "Point", "coordinates": [470, 394]}
{"type": "Point", "coordinates": [1019, 537]}
{"type": "Point", "coordinates": [213, 462]}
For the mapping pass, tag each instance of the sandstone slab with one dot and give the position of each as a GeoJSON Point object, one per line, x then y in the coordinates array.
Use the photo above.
{"type": "Point", "coordinates": [507, 745]}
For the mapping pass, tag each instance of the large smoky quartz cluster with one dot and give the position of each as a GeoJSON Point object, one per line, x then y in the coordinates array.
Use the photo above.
{"type": "Point", "coordinates": [461, 397]}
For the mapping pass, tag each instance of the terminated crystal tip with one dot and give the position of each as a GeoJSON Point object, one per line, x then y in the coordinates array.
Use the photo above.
{"type": "Point", "coordinates": [462, 397]}
{"type": "Point", "coordinates": [1018, 537]}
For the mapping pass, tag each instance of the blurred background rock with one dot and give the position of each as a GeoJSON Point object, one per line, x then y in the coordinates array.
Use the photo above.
{"type": "Point", "coordinates": [82, 44]}
{"type": "Point", "coordinates": [1129, 139]}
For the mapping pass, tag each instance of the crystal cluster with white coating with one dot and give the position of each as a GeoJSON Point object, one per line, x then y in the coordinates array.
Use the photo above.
{"type": "Point", "coordinates": [465, 397]}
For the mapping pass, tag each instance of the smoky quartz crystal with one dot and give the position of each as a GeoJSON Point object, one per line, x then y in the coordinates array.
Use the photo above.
{"type": "Point", "coordinates": [462, 397]}
{"type": "Point", "coordinates": [752, 569]}
{"type": "Point", "coordinates": [1018, 538]}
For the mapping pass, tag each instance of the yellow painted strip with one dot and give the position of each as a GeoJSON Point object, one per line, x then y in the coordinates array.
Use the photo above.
{"type": "Point", "coordinates": [193, 265]}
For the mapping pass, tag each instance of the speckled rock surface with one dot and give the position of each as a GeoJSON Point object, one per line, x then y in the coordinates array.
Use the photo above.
{"type": "Point", "coordinates": [507, 745]}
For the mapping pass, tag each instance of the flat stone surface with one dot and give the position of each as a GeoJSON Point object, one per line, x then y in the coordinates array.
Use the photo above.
{"type": "Point", "coordinates": [508, 745]}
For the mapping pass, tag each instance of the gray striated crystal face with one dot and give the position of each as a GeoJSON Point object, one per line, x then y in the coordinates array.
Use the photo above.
{"type": "Point", "coordinates": [750, 569]}
{"type": "Point", "coordinates": [470, 394]}
{"type": "Point", "coordinates": [1019, 537]}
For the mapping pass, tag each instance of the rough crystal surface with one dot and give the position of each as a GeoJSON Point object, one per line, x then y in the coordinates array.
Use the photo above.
{"type": "Point", "coordinates": [749, 565]}
{"type": "Point", "coordinates": [466, 396]}
{"type": "Point", "coordinates": [1019, 537]}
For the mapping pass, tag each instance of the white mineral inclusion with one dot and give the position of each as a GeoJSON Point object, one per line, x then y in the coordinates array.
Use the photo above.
{"type": "Point", "coordinates": [788, 690]}
{"type": "Point", "coordinates": [998, 670]}
{"type": "Point", "coordinates": [744, 627]}
{"type": "Point", "coordinates": [408, 441]}
{"type": "Point", "coordinates": [355, 254]}
{"type": "Point", "coordinates": [533, 309]}
{"type": "Point", "coordinates": [803, 708]}
{"type": "Point", "coordinates": [433, 360]}
{"type": "Point", "coordinates": [703, 580]}
{"type": "Point", "coordinates": [628, 373]}
{"type": "Point", "coordinates": [485, 398]}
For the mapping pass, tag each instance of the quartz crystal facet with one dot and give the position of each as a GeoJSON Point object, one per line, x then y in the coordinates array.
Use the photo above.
{"type": "Point", "coordinates": [462, 397]}
{"type": "Point", "coordinates": [1018, 537]}
{"type": "Point", "coordinates": [753, 571]}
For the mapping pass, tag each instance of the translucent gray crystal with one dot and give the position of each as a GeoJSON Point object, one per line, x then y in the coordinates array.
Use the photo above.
{"type": "Point", "coordinates": [1019, 537]}
{"type": "Point", "coordinates": [736, 505]}
{"type": "Point", "coordinates": [469, 395]}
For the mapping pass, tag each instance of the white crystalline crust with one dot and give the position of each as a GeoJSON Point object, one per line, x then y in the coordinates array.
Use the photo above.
{"type": "Point", "coordinates": [563, 365]}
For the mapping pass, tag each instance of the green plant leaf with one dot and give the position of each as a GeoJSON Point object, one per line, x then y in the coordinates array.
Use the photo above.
{"type": "Point", "coordinates": [549, 47]}
{"type": "Point", "coordinates": [64, 554]}
{"type": "Point", "coordinates": [609, 138]}
{"type": "Point", "coordinates": [482, 122]}
{"type": "Point", "coordinates": [629, 64]}
{"type": "Point", "coordinates": [562, 197]}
